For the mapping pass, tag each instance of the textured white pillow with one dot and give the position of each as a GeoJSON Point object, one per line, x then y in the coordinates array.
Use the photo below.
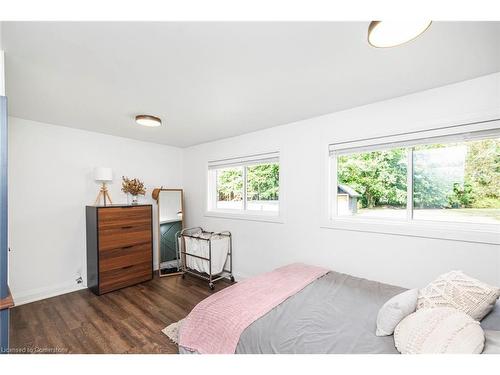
{"type": "Point", "coordinates": [395, 310]}
{"type": "Point", "coordinates": [456, 289]}
{"type": "Point", "coordinates": [439, 330]}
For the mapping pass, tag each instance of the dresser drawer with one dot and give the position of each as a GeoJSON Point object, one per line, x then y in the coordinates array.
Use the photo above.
{"type": "Point", "coordinates": [125, 276]}
{"type": "Point", "coordinates": [118, 217]}
{"type": "Point", "coordinates": [128, 235]}
{"type": "Point", "coordinates": [119, 246]}
{"type": "Point", "coordinates": [125, 256]}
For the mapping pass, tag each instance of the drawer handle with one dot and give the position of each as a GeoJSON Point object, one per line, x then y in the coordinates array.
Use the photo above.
{"type": "Point", "coordinates": [127, 247]}
{"type": "Point", "coordinates": [124, 268]}
{"type": "Point", "coordinates": [127, 227]}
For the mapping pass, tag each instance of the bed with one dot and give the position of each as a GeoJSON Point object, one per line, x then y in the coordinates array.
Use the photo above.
{"type": "Point", "coordinates": [336, 313]}
{"type": "Point", "coordinates": [335, 305]}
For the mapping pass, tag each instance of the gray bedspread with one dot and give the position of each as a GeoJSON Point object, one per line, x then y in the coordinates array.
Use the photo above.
{"type": "Point", "coordinates": [335, 314]}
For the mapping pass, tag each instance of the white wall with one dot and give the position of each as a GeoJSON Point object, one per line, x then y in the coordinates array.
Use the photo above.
{"type": "Point", "coordinates": [2, 64]}
{"type": "Point", "coordinates": [401, 260]}
{"type": "Point", "coordinates": [50, 182]}
{"type": "Point", "coordinates": [170, 204]}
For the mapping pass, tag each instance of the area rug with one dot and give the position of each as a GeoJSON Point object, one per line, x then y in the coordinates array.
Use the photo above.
{"type": "Point", "coordinates": [172, 331]}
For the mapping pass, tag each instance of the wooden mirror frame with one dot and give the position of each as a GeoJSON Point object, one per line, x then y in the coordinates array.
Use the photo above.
{"type": "Point", "coordinates": [156, 196]}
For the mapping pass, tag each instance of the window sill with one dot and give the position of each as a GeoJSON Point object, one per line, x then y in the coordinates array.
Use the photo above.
{"type": "Point", "coordinates": [245, 216]}
{"type": "Point", "coordinates": [429, 229]}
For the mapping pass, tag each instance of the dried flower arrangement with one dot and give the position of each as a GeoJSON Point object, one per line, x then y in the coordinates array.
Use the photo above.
{"type": "Point", "coordinates": [133, 186]}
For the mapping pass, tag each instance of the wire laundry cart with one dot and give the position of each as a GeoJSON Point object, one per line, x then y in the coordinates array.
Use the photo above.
{"type": "Point", "coordinates": [207, 255]}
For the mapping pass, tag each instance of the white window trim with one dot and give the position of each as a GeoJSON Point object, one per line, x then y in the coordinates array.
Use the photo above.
{"type": "Point", "coordinates": [468, 232]}
{"type": "Point", "coordinates": [264, 216]}
{"type": "Point", "coordinates": [242, 215]}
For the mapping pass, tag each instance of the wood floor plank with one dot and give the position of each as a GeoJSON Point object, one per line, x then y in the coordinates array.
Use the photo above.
{"type": "Point", "coordinates": [129, 320]}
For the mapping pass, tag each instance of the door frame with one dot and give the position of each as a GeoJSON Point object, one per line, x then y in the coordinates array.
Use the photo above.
{"type": "Point", "coordinates": [6, 301]}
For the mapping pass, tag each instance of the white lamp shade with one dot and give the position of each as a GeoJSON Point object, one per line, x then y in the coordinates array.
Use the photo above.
{"type": "Point", "coordinates": [103, 174]}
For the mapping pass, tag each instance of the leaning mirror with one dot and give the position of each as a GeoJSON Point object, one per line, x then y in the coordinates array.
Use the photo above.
{"type": "Point", "coordinates": [170, 223]}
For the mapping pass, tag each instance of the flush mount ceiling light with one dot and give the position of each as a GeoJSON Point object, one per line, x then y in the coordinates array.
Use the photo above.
{"type": "Point", "coordinates": [148, 120]}
{"type": "Point", "coordinates": [384, 34]}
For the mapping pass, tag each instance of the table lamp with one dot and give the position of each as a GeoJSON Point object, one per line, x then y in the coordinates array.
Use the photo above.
{"type": "Point", "coordinates": [103, 175]}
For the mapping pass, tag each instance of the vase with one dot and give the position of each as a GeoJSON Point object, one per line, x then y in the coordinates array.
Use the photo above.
{"type": "Point", "coordinates": [133, 199]}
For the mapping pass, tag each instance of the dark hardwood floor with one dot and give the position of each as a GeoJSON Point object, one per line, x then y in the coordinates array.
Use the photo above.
{"type": "Point", "coordinates": [129, 320]}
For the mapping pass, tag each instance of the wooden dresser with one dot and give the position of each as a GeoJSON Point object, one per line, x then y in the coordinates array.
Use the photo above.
{"type": "Point", "coordinates": [119, 246]}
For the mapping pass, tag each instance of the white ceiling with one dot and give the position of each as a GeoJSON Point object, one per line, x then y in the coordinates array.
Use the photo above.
{"type": "Point", "coordinates": [214, 80]}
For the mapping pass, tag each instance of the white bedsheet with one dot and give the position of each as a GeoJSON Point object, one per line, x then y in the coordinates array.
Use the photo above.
{"type": "Point", "coordinates": [220, 250]}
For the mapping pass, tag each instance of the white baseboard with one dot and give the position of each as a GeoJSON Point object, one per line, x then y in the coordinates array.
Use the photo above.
{"type": "Point", "coordinates": [45, 292]}
{"type": "Point", "coordinates": [239, 276]}
{"type": "Point", "coordinates": [22, 298]}
{"type": "Point", "coordinates": [37, 294]}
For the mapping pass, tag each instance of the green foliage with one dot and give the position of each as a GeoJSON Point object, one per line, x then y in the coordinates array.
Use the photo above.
{"type": "Point", "coordinates": [430, 189]}
{"type": "Point", "coordinates": [262, 183]}
{"type": "Point", "coordinates": [379, 176]}
{"type": "Point", "coordinates": [230, 184]}
{"type": "Point", "coordinates": [462, 196]}
{"type": "Point", "coordinates": [483, 173]}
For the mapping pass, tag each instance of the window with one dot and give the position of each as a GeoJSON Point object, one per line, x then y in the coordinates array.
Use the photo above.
{"type": "Point", "coordinates": [229, 188]}
{"type": "Point", "coordinates": [457, 181]}
{"type": "Point", "coordinates": [372, 184]}
{"type": "Point", "coordinates": [248, 185]}
{"type": "Point", "coordinates": [451, 178]}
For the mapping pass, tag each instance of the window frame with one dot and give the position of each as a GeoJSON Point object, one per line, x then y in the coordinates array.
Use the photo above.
{"type": "Point", "coordinates": [244, 213]}
{"type": "Point", "coordinates": [453, 230]}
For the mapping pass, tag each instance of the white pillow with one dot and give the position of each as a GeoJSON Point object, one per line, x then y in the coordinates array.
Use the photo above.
{"type": "Point", "coordinates": [439, 330]}
{"type": "Point", "coordinates": [456, 289]}
{"type": "Point", "coordinates": [395, 310]}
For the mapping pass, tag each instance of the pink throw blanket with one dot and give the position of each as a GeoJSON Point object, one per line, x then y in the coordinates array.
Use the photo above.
{"type": "Point", "coordinates": [216, 323]}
